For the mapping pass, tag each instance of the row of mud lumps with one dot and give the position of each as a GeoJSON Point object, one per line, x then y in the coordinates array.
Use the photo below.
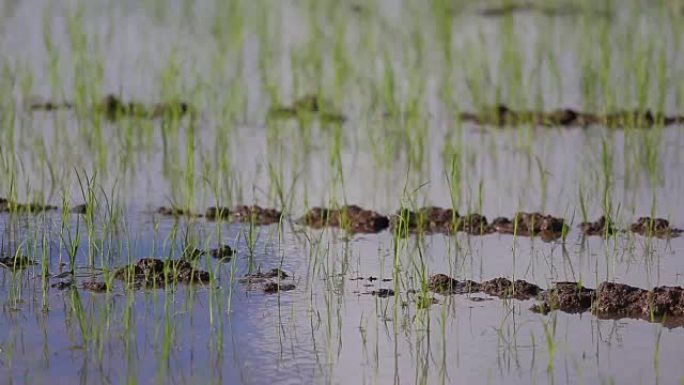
{"type": "Point", "coordinates": [609, 300]}
{"type": "Point", "coordinates": [502, 115]}
{"type": "Point", "coordinates": [113, 107]}
{"type": "Point", "coordinates": [428, 220]}
{"type": "Point", "coordinates": [150, 273]}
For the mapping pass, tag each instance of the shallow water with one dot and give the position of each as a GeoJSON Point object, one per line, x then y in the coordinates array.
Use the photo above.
{"type": "Point", "coordinates": [329, 329]}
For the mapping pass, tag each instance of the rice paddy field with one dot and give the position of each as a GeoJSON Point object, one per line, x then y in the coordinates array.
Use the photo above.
{"type": "Point", "coordinates": [341, 192]}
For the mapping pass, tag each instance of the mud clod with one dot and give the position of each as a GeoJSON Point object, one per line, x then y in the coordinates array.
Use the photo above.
{"type": "Point", "coordinates": [654, 227]}
{"type": "Point", "coordinates": [151, 272]}
{"type": "Point", "coordinates": [443, 284]}
{"type": "Point", "coordinates": [224, 253]}
{"type": "Point", "coordinates": [79, 209]}
{"type": "Point", "coordinates": [24, 208]}
{"type": "Point", "coordinates": [114, 108]}
{"type": "Point", "coordinates": [429, 220]}
{"type": "Point", "coordinates": [351, 218]}
{"type": "Point", "coordinates": [257, 215]}
{"type": "Point", "coordinates": [62, 285]}
{"type": "Point", "coordinates": [217, 213]}
{"type": "Point", "coordinates": [95, 286]}
{"type": "Point", "coordinates": [569, 297]}
{"type": "Point", "coordinates": [602, 227]}
{"type": "Point", "coordinates": [274, 287]}
{"type": "Point", "coordinates": [504, 288]}
{"type": "Point", "coordinates": [16, 262]}
{"type": "Point", "coordinates": [501, 116]}
{"type": "Point", "coordinates": [382, 293]}
{"type": "Point", "coordinates": [175, 212]}
{"type": "Point", "coordinates": [308, 105]}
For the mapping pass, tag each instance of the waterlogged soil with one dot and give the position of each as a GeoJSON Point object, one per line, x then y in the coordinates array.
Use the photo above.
{"type": "Point", "coordinates": [610, 300]}
{"type": "Point", "coordinates": [392, 243]}
{"type": "Point", "coordinates": [502, 115]}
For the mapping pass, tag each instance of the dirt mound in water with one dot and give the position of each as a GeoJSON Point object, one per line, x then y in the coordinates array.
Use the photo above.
{"type": "Point", "coordinates": [351, 218]}
{"type": "Point", "coordinates": [151, 272]}
{"type": "Point", "coordinates": [501, 115]}
{"type": "Point", "coordinates": [610, 300]}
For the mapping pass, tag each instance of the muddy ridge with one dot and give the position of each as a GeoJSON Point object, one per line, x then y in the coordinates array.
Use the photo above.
{"type": "Point", "coordinates": [269, 282]}
{"type": "Point", "coordinates": [351, 218]}
{"type": "Point", "coordinates": [609, 300]}
{"type": "Point", "coordinates": [309, 105]}
{"type": "Point", "coordinates": [8, 206]}
{"type": "Point", "coordinates": [501, 115]}
{"type": "Point", "coordinates": [152, 272]}
{"type": "Point", "coordinates": [114, 108]}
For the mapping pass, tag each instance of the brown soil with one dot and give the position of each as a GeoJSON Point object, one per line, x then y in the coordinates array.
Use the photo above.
{"type": "Point", "coordinates": [382, 293]}
{"type": "Point", "coordinates": [95, 286]}
{"type": "Point", "coordinates": [615, 300]}
{"type": "Point", "coordinates": [260, 276]}
{"type": "Point", "coordinates": [224, 253]}
{"type": "Point", "coordinates": [217, 213]}
{"type": "Point", "coordinates": [257, 215]}
{"type": "Point", "coordinates": [497, 287]}
{"type": "Point", "coordinates": [501, 115]}
{"type": "Point", "coordinates": [654, 227]}
{"type": "Point", "coordinates": [151, 272]}
{"type": "Point", "coordinates": [79, 209]}
{"type": "Point", "coordinates": [62, 285]}
{"type": "Point", "coordinates": [176, 212]}
{"type": "Point", "coordinates": [569, 297]}
{"type": "Point", "coordinates": [14, 207]}
{"type": "Point", "coordinates": [602, 227]}
{"type": "Point", "coordinates": [443, 284]}
{"type": "Point", "coordinates": [50, 106]}
{"type": "Point", "coordinates": [548, 227]}
{"type": "Point", "coordinates": [272, 287]}
{"type": "Point", "coordinates": [114, 108]}
{"type": "Point", "coordinates": [426, 220]}
{"type": "Point", "coordinates": [504, 288]}
{"type": "Point", "coordinates": [16, 262]}
{"type": "Point", "coordinates": [351, 218]}
{"type": "Point", "coordinates": [307, 105]}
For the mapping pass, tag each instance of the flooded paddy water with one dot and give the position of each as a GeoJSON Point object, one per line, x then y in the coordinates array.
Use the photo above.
{"type": "Point", "coordinates": [344, 192]}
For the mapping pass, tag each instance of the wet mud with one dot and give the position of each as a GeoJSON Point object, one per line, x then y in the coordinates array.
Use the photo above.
{"type": "Point", "coordinates": [95, 286]}
{"type": "Point", "coordinates": [257, 215]}
{"type": "Point", "coordinates": [309, 105]}
{"type": "Point", "coordinates": [115, 108]}
{"type": "Point", "coordinates": [8, 206]}
{"type": "Point", "coordinates": [176, 212]}
{"type": "Point", "coordinates": [17, 262]}
{"type": "Point", "coordinates": [351, 218]}
{"type": "Point", "coordinates": [655, 227]}
{"type": "Point", "coordinates": [502, 115]}
{"type": "Point", "coordinates": [269, 282]}
{"type": "Point", "coordinates": [610, 300]}
{"type": "Point", "coordinates": [151, 272]}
